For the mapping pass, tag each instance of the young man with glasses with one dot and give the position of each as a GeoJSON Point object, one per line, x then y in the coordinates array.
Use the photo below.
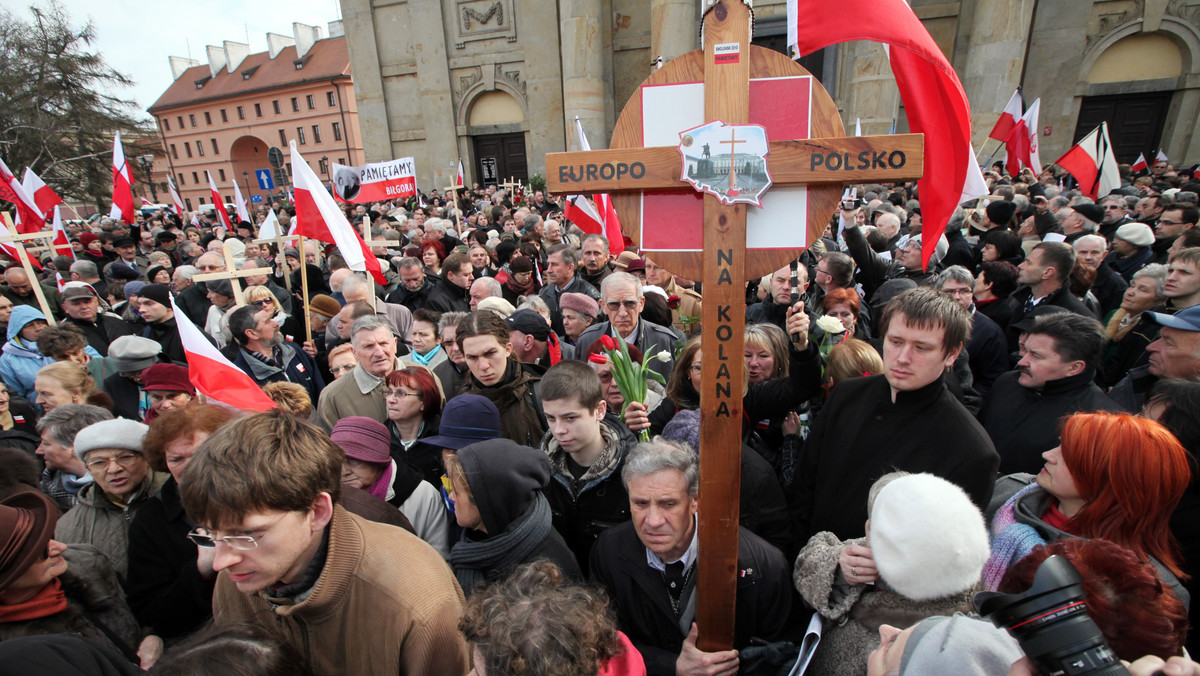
{"type": "Point", "coordinates": [1175, 219]}
{"type": "Point", "coordinates": [621, 297]}
{"type": "Point", "coordinates": [354, 597]}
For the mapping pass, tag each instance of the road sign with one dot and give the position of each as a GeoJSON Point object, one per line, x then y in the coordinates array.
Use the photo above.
{"type": "Point", "coordinates": [275, 155]}
{"type": "Point", "coordinates": [264, 179]}
{"type": "Point", "coordinates": [256, 198]}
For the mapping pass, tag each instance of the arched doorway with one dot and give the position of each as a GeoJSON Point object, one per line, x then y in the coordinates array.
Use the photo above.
{"type": "Point", "coordinates": [495, 122]}
{"type": "Point", "coordinates": [249, 156]}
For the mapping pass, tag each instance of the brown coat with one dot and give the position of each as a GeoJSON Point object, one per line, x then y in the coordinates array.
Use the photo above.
{"type": "Point", "coordinates": [385, 603]}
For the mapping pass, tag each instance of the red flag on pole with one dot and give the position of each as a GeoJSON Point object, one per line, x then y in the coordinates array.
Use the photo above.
{"type": "Point", "coordinates": [62, 245]}
{"type": "Point", "coordinates": [460, 178]}
{"type": "Point", "coordinates": [580, 211]}
{"type": "Point", "coordinates": [611, 225]}
{"type": "Point", "coordinates": [933, 97]}
{"type": "Point", "coordinates": [318, 217]}
{"type": "Point", "coordinates": [1008, 117]}
{"type": "Point", "coordinates": [219, 204]}
{"type": "Point", "coordinates": [122, 195]}
{"type": "Point", "coordinates": [1092, 163]}
{"type": "Point", "coordinates": [213, 374]}
{"type": "Point", "coordinates": [29, 217]}
{"type": "Point", "coordinates": [1140, 164]}
{"type": "Point", "coordinates": [1021, 145]}
{"type": "Point", "coordinates": [43, 195]}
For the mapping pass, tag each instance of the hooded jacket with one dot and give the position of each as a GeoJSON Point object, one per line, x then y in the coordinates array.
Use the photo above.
{"type": "Point", "coordinates": [506, 481]}
{"type": "Point", "coordinates": [21, 359]}
{"type": "Point", "coordinates": [515, 396]}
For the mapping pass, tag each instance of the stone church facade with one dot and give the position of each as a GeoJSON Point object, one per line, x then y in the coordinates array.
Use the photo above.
{"type": "Point", "coordinates": [499, 83]}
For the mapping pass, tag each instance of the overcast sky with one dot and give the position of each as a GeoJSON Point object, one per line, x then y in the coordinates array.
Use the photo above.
{"type": "Point", "coordinates": [136, 36]}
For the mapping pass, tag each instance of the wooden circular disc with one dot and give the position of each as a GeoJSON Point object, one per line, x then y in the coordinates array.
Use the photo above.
{"type": "Point", "coordinates": [822, 199]}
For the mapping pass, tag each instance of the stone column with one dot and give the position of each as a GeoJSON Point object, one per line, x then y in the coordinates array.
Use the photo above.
{"type": "Point", "coordinates": [998, 41]}
{"type": "Point", "coordinates": [537, 26]}
{"type": "Point", "coordinates": [674, 28]}
{"type": "Point", "coordinates": [371, 100]}
{"type": "Point", "coordinates": [870, 92]}
{"type": "Point", "coordinates": [433, 88]}
{"type": "Point", "coordinates": [581, 37]}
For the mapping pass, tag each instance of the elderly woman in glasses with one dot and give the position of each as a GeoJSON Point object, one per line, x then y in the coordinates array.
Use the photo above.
{"type": "Point", "coordinates": [111, 450]}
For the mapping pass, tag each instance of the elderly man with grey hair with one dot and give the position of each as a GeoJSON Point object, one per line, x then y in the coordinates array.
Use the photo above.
{"type": "Point", "coordinates": [648, 566]}
{"type": "Point", "coordinates": [1109, 286]}
{"type": "Point", "coordinates": [182, 277]}
{"type": "Point", "coordinates": [364, 392]}
{"type": "Point", "coordinates": [357, 288]}
{"type": "Point", "coordinates": [65, 473]}
{"type": "Point", "coordinates": [987, 350]}
{"type": "Point", "coordinates": [484, 287]}
{"type": "Point", "coordinates": [621, 297]}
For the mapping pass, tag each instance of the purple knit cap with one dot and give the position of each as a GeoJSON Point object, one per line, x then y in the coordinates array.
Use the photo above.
{"type": "Point", "coordinates": [364, 439]}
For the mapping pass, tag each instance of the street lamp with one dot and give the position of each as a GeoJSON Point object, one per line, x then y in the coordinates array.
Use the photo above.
{"type": "Point", "coordinates": [246, 182]}
{"type": "Point", "coordinates": [147, 161]}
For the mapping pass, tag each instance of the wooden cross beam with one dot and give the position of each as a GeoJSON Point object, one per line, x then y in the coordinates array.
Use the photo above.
{"type": "Point", "coordinates": [18, 242]}
{"type": "Point", "coordinates": [815, 156]}
{"type": "Point", "coordinates": [233, 275]}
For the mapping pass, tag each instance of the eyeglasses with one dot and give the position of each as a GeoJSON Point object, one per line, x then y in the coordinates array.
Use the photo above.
{"type": "Point", "coordinates": [696, 368]}
{"type": "Point", "coordinates": [400, 393]}
{"type": "Point", "coordinates": [342, 369]}
{"type": "Point", "coordinates": [1113, 207]}
{"type": "Point", "coordinates": [629, 305]}
{"type": "Point", "coordinates": [1166, 222]}
{"type": "Point", "coordinates": [263, 303]}
{"type": "Point", "coordinates": [239, 542]}
{"type": "Point", "coordinates": [125, 460]}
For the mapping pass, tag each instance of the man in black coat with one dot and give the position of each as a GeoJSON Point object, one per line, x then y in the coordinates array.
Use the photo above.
{"type": "Point", "coordinates": [1053, 380]}
{"type": "Point", "coordinates": [1109, 286]}
{"type": "Point", "coordinates": [414, 287]}
{"type": "Point", "coordinates": [1044, 274]}
{"type": "Point", "coordinates": [562, 263]}
{"type": "Point", "coordinates": [82, 307]}
{"type": "Point", "coordinates": [987, 351]}
{"type": "Point", "coordinates": [451, 294]}
{"type": "Point", "coordinates": [905, 419]}
{"type": "Point", "coordinates": [648, 567]}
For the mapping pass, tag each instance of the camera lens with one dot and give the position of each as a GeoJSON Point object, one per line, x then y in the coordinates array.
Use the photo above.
{"type": "Point", "coordinates": [1051, 623]}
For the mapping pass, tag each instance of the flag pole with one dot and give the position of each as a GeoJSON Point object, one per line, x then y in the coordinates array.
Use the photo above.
{"type": "Point", "coordinates": [304, 290]}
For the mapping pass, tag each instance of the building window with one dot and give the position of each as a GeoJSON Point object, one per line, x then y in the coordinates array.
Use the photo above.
{"type": "Point", "coordinates": [180, 118]}
{"type": "Point", "coordinates": [181, 178]}
{"type": "Point", "coordinates": [275, 104]}
{"type": "Point", "coordinates": [241, 113]}
{"type": "Point", "coordinates": [187, 148]}
{"type": "Point", "coordinates": [295, 104]}
{"type": "Point", "coordinates": [187, 201]}
{"type": "Point", "coordinates": [216, 150]}
{"type": "Point", "coordinates": [207, 118]}
{"type": "Point", "coordinates": [192, 118]}
{"type": "Point", "coordinates": [312, 101]}
{"type": "Point", "coordinates": [224, 116]}
{"type": "Point", "coordinates": [221, 172]}
{"type": "Point", "coordinates": [282, 138]}
{"type": "Point", "coordinates": [316, 133]}
{"type": "Point", "coordinates": [289, 168]}
{"type": "Point", "coordinates": [300, 135]}
{"type": "Point", "coordinates": [341, 160]}
{"type": "Point", "coordinates": [199, 147]}
{"type": "Point", "coordinates": [201, 200]}
{"type": "Point", "coordinates": [258, 110]}
{"type": "Point", "coordinates": [174, 151]}
{"type": "Point", "coordinates": [195, 177]}
{"type": "Point", "coordinates": [337, 132]}
{"type": "Point", "coordinates": [323, 166]}
{"type": "Point", "coordinates": [166, 123]}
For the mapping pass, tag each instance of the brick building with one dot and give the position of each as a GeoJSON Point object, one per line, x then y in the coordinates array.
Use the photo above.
{"type": "Point", "coordinates": [225, 115]}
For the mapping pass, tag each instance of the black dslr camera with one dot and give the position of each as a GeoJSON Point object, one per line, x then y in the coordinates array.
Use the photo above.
{"type": "Point", "coordinates": [1051, 623]}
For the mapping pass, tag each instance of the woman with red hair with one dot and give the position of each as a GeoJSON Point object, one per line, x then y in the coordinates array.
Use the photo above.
{"type": "Point", "coordinates": [1115, 476]}
{"type": "Point", "coordinates": [843, 305]}
{"type": "Point", "coordinates": [432, 255]}
{"type": "Point", "coordinates": [414, 408]}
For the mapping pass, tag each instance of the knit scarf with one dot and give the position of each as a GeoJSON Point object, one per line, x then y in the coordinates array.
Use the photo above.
{"type": "Point", "coordinates": [51, 600]}
{"type": "Point", "coordinates": [519, 289]}
{"type": "Point", "coordinates": [381, 487]}
{"type": "Point", "coordinates": [424, 359]}
{"type": "Point", "coordinates": [1011, 541]}
{"type": "Point", "coordinates": [470, 559]}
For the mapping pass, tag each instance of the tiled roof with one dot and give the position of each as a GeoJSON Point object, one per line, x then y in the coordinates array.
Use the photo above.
{"type": "Point", "coordinates": [326, 59]}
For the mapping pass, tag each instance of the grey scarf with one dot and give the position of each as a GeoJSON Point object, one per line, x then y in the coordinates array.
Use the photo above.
{"type": "Point", "coordinates": [473, 559]}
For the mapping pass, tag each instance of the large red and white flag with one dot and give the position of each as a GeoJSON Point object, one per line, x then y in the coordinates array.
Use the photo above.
{"type": "Point", "coordinates": [610, 225]}
{"type": "Point", "coordinates": [1022, 144]}
{"type": "Point", "coordinates": [459, 178]}
{"type": "Point", "coordinates": [243, 213]}
{"type": "Point", "coordinates": [219, 203]}
{"type": "Point", "coordinates": [933, 97]}
{"type": "Point", "coordinates": [122, 195]}
{"type": "Point", "coordinates": [29, 217]}
{"type": "Point", "coordinates": [1092, 163]}
{"type": "Point", "coordinates": [175, 197]}
{"type": "Point", "coordinates": [580, 211]}
{"type": "Point", "coordinates": [62, 244]}
{"type": "Point", "coordinates": [318, 217]}
{"type": "Point", "coordinates": [43, 195]}
{"type": "Point", "coordinates": [213, 374]}
{"type": "Point", "coordinates": [1008, 117]}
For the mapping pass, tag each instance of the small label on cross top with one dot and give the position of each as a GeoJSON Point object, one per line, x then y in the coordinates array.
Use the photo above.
{"type": "Point", "coordinates": [727, 52]}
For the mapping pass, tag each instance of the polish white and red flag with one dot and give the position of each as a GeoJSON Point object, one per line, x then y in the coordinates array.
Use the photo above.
{"type": "Point", "coordinates": [29, 217]}
{"type": "Point", "coordinates": [460, 178]}
{"type": "Point", "coordinates": [43, 195]}
{"type": "Point", "coordinates": [1140, 164]}
{"type": "Point", "coordinates": [1022, 144]}
{"type": "Point", "coordinates": [243, 213]}
{"type": "Point", "coordinates": [218, 203]}
{"type": "Point", "coordinates": [1161, 157]}
{"type": "Point", "coordinates": [1008, 117]}
{"type": "Point", "coordinates": [213, 374]}
{"type": "Point", "coordinates": [175, 197]}
{"type": "Point", "coordinates": [932, 95]}
{"type": "Point", "coordinates": [122, 194]}
{"type": "Point", "coordinates": [318, 217]}
{"type": "Point", "coordinates": [600, 219]}
{"type": "Point", "coordinates": [60, 282]}
{"type": "Point", "coordinates": [1092, 163]}
{"type": "Point", "coordinates": [62, 244]}
{"type": "Point", "coordinates": [145, 202]}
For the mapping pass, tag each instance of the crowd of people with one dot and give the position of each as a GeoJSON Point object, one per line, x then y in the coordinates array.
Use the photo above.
{"type": "Point", "coordinates": [458, 477]}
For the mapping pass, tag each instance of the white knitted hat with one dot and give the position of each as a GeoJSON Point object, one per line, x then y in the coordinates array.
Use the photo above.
{"type": "Point", "coordinates": [116, 433]}
{"type": "Point", "coordinates": [928, 539]}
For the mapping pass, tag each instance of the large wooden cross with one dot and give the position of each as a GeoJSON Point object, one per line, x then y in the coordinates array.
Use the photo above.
{"type": "Point", "coordinates": [18, 242]}
{"type": "Point", "coordinates": [823, 162]}
{"type": "Point", "coordinates": [233, 275]}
